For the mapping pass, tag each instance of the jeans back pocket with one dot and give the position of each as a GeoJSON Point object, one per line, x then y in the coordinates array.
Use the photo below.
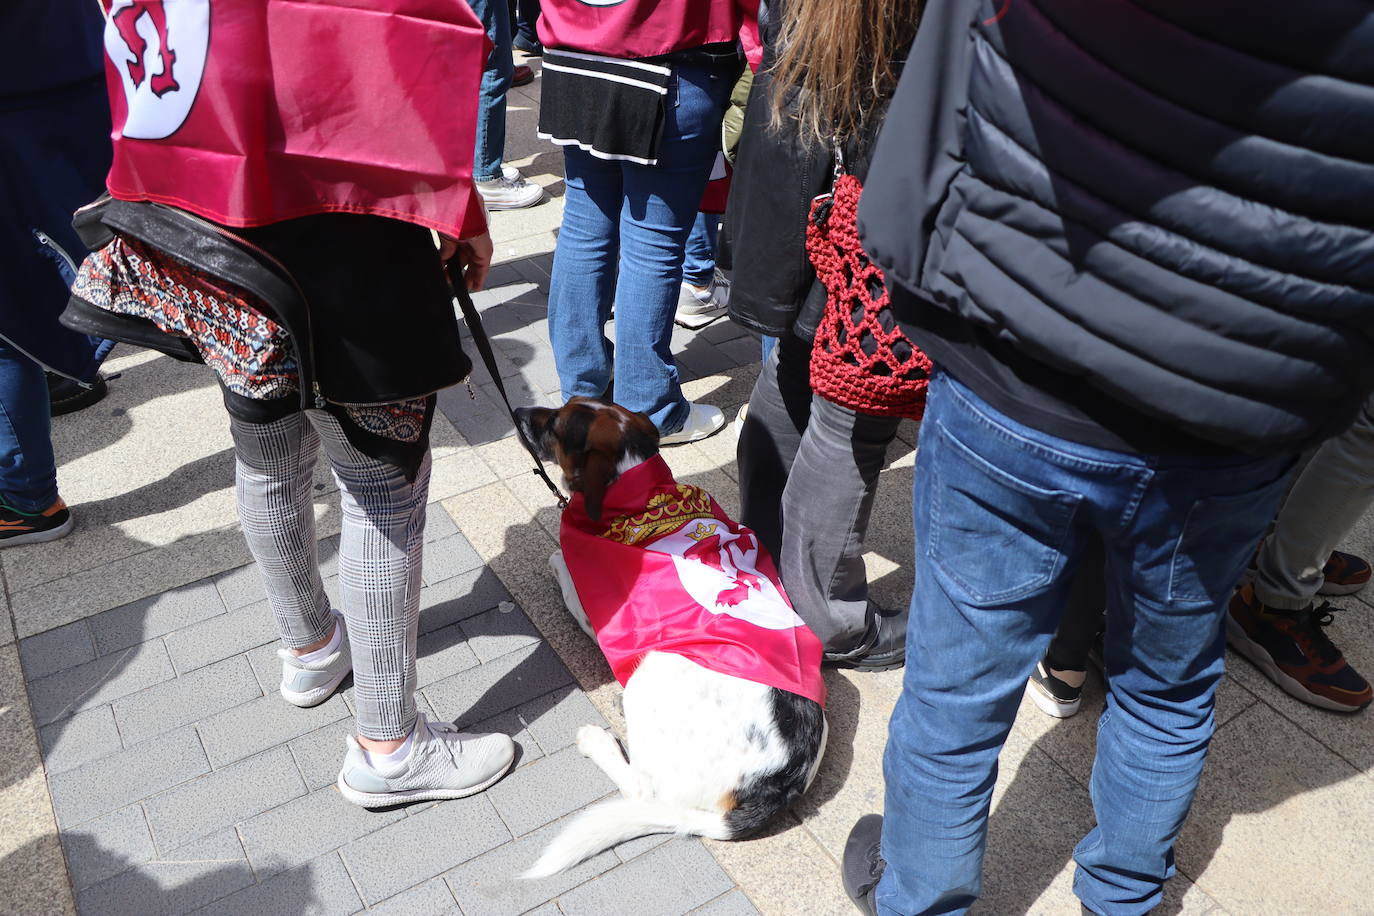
{"type": "Point", "coordinates": [994, 537]}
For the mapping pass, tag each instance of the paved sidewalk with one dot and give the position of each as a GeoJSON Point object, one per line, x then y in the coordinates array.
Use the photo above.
{"type": "Point", "coordinates": [147, 764]}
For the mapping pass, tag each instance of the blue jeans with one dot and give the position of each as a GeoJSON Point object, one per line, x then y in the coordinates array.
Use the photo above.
{"type": "Point", "coordinates": [699, 263]}
{"type": "Point", "coordinates": [28, 470]}
{"type": "Point", "coordinates": [622, 240]}
{"type": "Point", "coordinates": [1003, 515]}
{"type": "Point", "coordinates": [491, 101]}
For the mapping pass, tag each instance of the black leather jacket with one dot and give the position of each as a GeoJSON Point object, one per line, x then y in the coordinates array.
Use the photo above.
{"type": "Point", "coordinates": [763, 239]}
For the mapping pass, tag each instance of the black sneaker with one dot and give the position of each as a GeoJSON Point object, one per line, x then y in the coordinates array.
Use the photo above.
{"type": "Point", "coordinates": [22, 528]}
{"type": "Point", "coordinates": [1055, 697]}
{"type": "Point", "coordinates": [863, 864]}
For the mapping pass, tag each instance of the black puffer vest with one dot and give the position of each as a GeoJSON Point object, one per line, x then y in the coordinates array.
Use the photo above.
{"type": "Point", "coordinates": [1172, 200]}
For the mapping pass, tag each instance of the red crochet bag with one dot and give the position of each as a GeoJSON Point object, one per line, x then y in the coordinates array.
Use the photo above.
{"type": "Point", "coordinates": [860, 359]}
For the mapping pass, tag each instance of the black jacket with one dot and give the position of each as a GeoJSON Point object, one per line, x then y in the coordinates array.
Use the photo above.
{"type": "Point", "coordinates": [763, 239]}
{"type": "Point", "coordinates": [1169, 200]}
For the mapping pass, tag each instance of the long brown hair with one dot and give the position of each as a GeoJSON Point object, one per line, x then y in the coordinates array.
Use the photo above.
{"type": "Point", "coordinates": [837, 55]}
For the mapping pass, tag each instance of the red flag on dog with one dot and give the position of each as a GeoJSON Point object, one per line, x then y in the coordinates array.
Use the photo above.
{"type": "Point", "coordinates": [251, 113]}
{"type": "Point", "coordinates": [666, 570]}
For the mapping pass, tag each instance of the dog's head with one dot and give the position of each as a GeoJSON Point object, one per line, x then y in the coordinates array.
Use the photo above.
{"type": "Point", "coordinates": [592, 441]}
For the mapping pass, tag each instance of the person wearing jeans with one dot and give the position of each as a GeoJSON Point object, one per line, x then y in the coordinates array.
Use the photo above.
{"type": "Point", "coordinates": [1140, 314]}
{"type": "Point", "coordinates": [622, 242]}
{"type": "Point", "coordinates": [502, 187]}
{"type": "Point", "coordinates": [1004, 514]}
{"type": "Point", "coordinates": [704, 292]}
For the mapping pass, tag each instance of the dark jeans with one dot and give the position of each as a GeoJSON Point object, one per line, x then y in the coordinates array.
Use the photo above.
{"type": "Point", "coordinates": [1003, 513]}
{"type": "Point", "coordinates": [28, 470]}
{"type": "Point", "coordinates": [808, 473]}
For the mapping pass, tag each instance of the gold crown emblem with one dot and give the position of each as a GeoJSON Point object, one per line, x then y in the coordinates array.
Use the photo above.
{"type": "Point", "coordinates": [666, 513]}
{"type": "Point", "coordinates": [702, 531]}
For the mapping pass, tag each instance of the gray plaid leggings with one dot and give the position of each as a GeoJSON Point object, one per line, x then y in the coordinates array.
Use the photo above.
{"type": "Point", "coordinates": [379, 554]}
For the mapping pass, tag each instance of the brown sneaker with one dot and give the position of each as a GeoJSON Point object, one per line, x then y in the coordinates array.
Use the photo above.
{"type": "Point", "coordinates": [1344, 574]}
{"type": "Point", "coordinates": [1293, 650]}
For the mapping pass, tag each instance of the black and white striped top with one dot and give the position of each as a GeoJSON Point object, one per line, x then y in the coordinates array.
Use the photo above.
{"type": "Point", "coordinates": [610, 107]}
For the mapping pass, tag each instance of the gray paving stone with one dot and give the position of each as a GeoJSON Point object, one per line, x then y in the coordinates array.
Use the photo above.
{"type": "Point", "coordinates": [438, 525]}
{"type": "Point", "coordinates": [465, 595]}
{"type": "Point", "coordinates": [721, 331]}
{"type": "Point", "coordinates": [418, 848]}
{"type": "Point", "coordinates": [741, 351]}
{"type": "Point", "coordinates": [429, 899]}
{"type": "Point", "coordinates": [180, 882]}
{"type": "Point", "coordinates": [482, 692]}
{"type": "Point", "coordinates": [56, 650]}
{"type": "Point", "coordinates": [548, 909]}
{"type": "Point", "coordinates": [220, 637]}
{"type": "Point", "coordinates": [186, 699]}
{"type": "Point", "coordinates": [121, 779]}
{"type": "Point", "coordinates": [633, 849]}
{"type": "Point", "coordinates": [497, 632]}
{"type": "Point", "coordinates": [731, 904]}
{"type": "Point", "coordinates": [701, 359]}
{"type": "Point", "coordinates": [320, 753]}
{"type": "Point", "coordinates": [478, 421]}
{"type": "Point", "coordinates": [263, 723]}
{"type": "Point", "coordinates": [442, 653]}
{"type": "Point", "coordinates": [318, 888]}
{"type": "Point", "coordinates": [223, 798]}
{"type": "Point", "coordinates": [671, 880]}
{"type": "Point", "coordinates": [548, 789]}
{"type": "Point", "coordinates": [99, 681]}
{"type": "Point", "coordinates": [307, 827]}
{"type": "Point", "coordinates": [555, 717]}
{"type": "Point", "coordinates": [489, 886]}
{"type": "Point", "coordinates": [104, 847]}
{"type": "Point", "coordinates": [240, 587]}
{"type": "Point", "coordinates": [79, 739]}
{"type": "Point", "coordinates": [146, 618]}
{"type": "Point", "coordinates": [449, 557]}
{"type": "Point", "coordinates": [266, 667]}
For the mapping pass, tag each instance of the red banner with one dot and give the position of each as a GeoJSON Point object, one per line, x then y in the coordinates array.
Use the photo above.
{"type": "Point", "coordinates": [667, 571]}
{"type": "Point", "coordinates": [251, 113]}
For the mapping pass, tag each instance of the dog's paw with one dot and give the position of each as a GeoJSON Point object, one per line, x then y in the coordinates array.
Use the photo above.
{"type": "Point", "coordinates": [592, 740]}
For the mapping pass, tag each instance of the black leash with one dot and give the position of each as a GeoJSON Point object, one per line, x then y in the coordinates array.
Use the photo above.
{"type": "Point", "coordinates": [479, 337]}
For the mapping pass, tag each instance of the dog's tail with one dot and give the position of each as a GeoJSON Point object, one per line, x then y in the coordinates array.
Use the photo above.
{"type": "Point", "coordinates": [602, 826]}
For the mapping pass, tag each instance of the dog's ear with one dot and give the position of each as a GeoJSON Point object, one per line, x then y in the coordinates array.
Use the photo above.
{"type": "Point", "coordinates": [596, 474]}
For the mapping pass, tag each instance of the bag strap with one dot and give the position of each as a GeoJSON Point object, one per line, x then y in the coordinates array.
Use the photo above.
{"type": "Point", "coordinates": [479, 337]}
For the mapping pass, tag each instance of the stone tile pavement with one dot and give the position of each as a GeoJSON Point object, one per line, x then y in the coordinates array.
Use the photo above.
{"type": "Point", "coordinates": [147, 765]}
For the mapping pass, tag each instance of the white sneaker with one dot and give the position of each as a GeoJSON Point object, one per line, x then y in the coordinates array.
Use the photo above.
{"type": "Point", "coordinates": [509, 193]}
{"type": "Point", "coordinates": [697, 308]}
{"type": "Point", "coordinates": [443, 763]}
{"type": "Point", "coordinates": [738, 425]}
{"type": "Point", "coordinates": [310, 684]}
{"type": "Point", "coordinates": [703, 420]}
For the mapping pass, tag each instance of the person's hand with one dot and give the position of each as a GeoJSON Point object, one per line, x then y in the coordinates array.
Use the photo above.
{"type": "Point", "coordinates": [474, 256]}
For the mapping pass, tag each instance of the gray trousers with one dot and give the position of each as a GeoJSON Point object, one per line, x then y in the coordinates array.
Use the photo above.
{"type": "Point", "coordinates": [379, 554]}
{"type": "Point", "coordinates": [808, 472]}
{"type": "Point", "coordinates": [1333, 491]}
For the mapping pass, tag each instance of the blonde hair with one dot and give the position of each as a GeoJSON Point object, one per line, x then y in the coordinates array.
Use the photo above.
{"type": "Point", "coordinates": [837, 55]}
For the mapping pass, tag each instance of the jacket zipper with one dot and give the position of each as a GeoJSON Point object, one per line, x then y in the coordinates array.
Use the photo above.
{"type": "Point", "coordinates": [49, 242]}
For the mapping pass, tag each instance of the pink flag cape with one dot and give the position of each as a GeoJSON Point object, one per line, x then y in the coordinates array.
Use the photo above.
{"type": "Point", "coordinates": [667, 571]}
{"type": "Point", "coordinates": [252, 112]}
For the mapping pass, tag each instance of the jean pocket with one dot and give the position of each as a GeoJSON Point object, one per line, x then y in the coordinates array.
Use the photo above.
{"type": "Point", "coordinates": [992, 536]}
{"type": "Point", "coordinates": [1217, 540]}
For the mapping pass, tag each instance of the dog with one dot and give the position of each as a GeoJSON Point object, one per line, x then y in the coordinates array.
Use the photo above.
{"type": "Point", "coordinates": [711, 753]}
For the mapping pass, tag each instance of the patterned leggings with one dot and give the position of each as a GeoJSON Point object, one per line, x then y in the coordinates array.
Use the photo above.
{"type": "Point", "coordinates": [379, 554]}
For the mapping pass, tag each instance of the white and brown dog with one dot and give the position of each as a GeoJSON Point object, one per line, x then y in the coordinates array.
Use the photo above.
{"type": "Point", "coordinates": [723, 692]}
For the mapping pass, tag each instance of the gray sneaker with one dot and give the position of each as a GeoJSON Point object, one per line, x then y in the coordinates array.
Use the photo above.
{"type": "Point", "coordinates": [443, 763]}
{"type": "Point", "coordinates": [311, 684]}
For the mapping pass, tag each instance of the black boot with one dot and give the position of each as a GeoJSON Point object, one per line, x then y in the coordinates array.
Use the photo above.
{"type": "Point", "coordinates": [67, 396]}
